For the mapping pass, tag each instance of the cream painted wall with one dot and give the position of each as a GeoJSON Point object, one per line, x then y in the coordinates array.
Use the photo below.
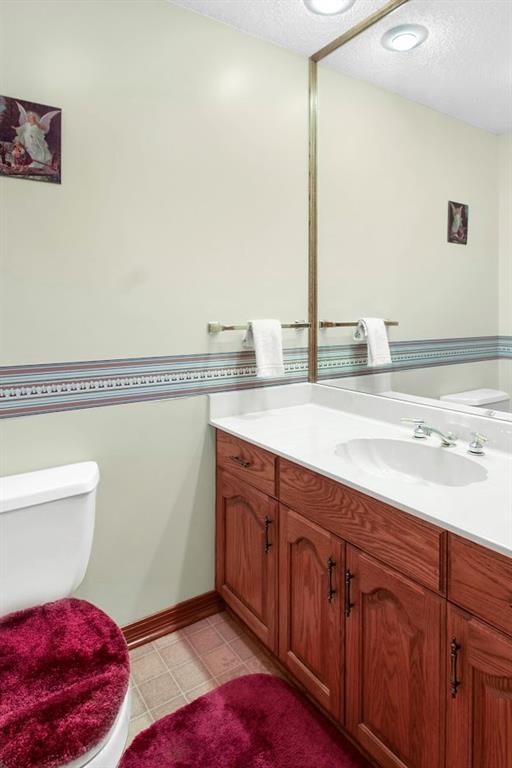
{"type": "Point", "coordinates": [427, 382]}
{"type": "Point", "coordinates": [387, 168]}
{"type": "Point", "coordinates": [184, 199]}
{"type": "Point", "coordinates": [153, 543]}
{"type": "Point", "coordinates": [505, 233]}
{"type": "Point", "coordinates": [505, 253]}
{"type": "Point", "coordinates": [184, 194]}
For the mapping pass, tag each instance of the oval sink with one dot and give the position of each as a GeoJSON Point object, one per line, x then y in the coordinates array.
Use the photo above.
{"type": "Point", "coordinates": [411, 462]}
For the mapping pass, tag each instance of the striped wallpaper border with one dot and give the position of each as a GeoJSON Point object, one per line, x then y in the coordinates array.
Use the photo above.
{"type": "Point", "coordinates": [48, 388]}
{"type": "Point", "coordinates": [351, 359]}
{"type": "Point", "coordinates": [52, 387]}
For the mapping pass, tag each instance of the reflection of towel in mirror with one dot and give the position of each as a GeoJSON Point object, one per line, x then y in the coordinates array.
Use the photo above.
{"type": "Point", "coordinates": [267, 338]}
{"type": "Point", "coordinates": [374, 330]}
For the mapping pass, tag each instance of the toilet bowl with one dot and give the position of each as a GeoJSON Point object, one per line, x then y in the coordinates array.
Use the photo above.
{"type": "Point", "coordinates": [65, 673]}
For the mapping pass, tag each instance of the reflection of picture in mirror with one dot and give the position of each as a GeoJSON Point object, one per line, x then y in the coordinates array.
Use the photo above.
{"type": "Point", "coordinates": [457, 223]}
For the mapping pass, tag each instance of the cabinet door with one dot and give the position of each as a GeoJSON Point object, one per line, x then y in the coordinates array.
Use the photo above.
{"type": "Point", "coordinates": [310, 610]}
{"type": "Point", "coordinates": [479, 706]}
{"type": "Point", "coordinates": [394, 665]}
{"type": "Point", "coordinates": [247, 543]}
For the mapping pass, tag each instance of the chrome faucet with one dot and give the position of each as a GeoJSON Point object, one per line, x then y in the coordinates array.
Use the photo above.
{"type": "Point", "coordinates": [423, 430]}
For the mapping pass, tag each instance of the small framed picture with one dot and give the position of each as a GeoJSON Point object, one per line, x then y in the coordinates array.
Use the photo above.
{"type": "Point", "coordinates": [457, 223]}
{"type": "Point", "coordinates": [30, 140]}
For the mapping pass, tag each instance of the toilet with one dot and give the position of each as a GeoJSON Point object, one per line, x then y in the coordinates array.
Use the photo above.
{"type": "Point", "coordinates": [64, 664]}
{"type": "Point", "coordinates": [491, 399]}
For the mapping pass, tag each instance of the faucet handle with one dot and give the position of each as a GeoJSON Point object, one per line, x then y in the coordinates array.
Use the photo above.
{"type": "Point", "coordinates": [476, 446]}
{"type": "Point", "coordinates": [421, 430]}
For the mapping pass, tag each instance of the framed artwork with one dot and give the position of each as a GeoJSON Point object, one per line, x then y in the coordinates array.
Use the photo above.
{"type": "Point", "coordinates": [30, 140]}
{"type": "Point", "coordinates": [457, 223]}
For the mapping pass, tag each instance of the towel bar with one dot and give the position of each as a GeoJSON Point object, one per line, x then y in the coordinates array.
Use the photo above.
{"type": "Point", "coordinates": [216, 327]}
{"type": "Point", "coordinates": [336, 324]}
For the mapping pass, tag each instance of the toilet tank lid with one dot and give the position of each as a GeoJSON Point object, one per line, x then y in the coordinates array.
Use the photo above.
{"type": "Point", "coordinates": [477, 396]}
{"type": "Point", "coordinates": [30, 488]}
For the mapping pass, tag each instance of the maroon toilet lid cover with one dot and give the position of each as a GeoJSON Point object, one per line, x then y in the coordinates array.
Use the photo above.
{"type": "Point", "coordinates": [64, 672]}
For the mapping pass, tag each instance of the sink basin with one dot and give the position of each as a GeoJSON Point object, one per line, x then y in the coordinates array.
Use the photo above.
{"type": "Point", "coordinates": [411, 462]}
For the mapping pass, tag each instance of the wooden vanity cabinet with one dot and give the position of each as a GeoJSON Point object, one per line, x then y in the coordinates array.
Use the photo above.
{"type": "Point", "coordinates": [479, 695]}
{"type": "Point", "coordinates": [311, 568]}
{"type": "Point", "coordinates": [400, 630]}
{"type": "Point", "coordinates": [480, 581]}
{"type": "Point", "coordinates": [394, 665]}
{"type": "Point", "coordinates": [247, 555]}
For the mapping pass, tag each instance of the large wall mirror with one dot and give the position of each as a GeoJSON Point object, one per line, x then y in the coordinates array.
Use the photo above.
{"type": "Point", "coordinates": [414, 201]}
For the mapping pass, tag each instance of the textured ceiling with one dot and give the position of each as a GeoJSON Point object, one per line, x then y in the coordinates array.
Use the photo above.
{"type": "Point", "coordinates": [285, 22]}
{"type": "Point", "coordinates": [464, 68]}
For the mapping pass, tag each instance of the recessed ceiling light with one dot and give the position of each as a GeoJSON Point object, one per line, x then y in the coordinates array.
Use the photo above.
{"type": "Point", "coordinates": [328, 7]}
{"type": "Point", "coordinates": [405, 37]}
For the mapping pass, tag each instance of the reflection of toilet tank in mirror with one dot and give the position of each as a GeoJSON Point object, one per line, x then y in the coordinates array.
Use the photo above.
{"type": "Point", "coordinates": [457, 223]}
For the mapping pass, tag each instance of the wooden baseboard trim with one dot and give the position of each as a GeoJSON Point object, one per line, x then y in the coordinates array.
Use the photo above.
{"type": "Point", "coordinates": [170, 619]}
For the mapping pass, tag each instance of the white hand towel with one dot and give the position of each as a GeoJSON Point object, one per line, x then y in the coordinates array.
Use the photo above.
{"type": "Point", "coordinates": [374, 330]}
{"type": "Point", "coordinates": [267, 338]}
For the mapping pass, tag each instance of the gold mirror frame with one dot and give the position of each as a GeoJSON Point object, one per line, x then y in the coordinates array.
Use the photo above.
{"type": "Point", "coordinates": [313, 173]}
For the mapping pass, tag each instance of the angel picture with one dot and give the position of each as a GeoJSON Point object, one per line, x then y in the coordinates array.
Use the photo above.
{"type": "Point", "coordinates": [457, 223]}
{"type": "Point", "coordinates": [30, 136]}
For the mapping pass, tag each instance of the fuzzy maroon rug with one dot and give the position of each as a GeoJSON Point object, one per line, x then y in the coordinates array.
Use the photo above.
{"type": "Point", "coordinates": [256, 721]}
{"type": "Point", "coordinates": [64, 672]}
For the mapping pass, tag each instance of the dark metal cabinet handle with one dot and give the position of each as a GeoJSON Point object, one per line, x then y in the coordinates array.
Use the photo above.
{"type": "Point", "coordinates": [241, 462]}
{"type": "Point", "coordinates": [348, 605]}
{"type": "Point", "coordinates": [268, 523]}
{"type": "Point", "coordinates": [454, 653]}
{"type": "Point", "coordinates": [331, 565]}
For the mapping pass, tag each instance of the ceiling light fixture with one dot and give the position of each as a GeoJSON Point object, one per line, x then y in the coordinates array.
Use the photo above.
{"type": "Point", "coordinates": [328, 7]}
{"type": "Point", "coordinates": [405, 37]}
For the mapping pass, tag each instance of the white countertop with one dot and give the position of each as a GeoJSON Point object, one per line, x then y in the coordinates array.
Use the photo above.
{"type": "Point", "coordinates": [306, 423]}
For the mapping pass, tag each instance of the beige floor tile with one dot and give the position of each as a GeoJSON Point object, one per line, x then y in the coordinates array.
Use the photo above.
{"type": "Point", "coordinates": [245, 647]}
{"type": "Point", "coordinates": [165, 640]}
{"type": "Point", "coordinates": [142, 650]}
{"type": "Point", "coordinates": [217, 617]}
{"type": "Point", "coordinates": [159, 690]}
{"type": "Point", "coordinates": [261, 664]}
{"type": "Point", "coordinates": [195, 693]}
{"type": "Point", "coordinates": [191, 675]}
{"type": "Point", "coordinates": [229, 630]}
{"type": "Point", "coordinates": [221, 660]}
{"type": "Point", "coordinates": [137, 704]}
{"type": "Point", "coordinates": [206, 640]}
{"type": "Point", "coordinates": [169, 707]}
{"type": "Point", "coordinates": [138, 725]}
{"type": "Point", "coordinates": [197, 627]}
{"type": "Point", "coordinates": [232, 674]}
{"type": "Point", "coordinates": [177, 654]}
{"type": "Point", "coordinates": [147, 667]}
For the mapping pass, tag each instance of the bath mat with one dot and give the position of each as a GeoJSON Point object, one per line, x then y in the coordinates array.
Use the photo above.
{"type": "Point", "coordinates": [256, 721]}
{"type": "Point", "coordinates": [64, 672]}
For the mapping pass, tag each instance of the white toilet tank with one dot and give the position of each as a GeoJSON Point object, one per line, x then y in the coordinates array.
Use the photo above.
{"type": "Point", "coordinates": [46, 531]}
{"type": "Point", "coordinates": [491, 399]}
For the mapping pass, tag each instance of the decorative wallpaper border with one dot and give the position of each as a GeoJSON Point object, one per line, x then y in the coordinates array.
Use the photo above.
{"type": "Point", "coordinates": [351, 359]}
{"type": "Point", "coordinates": [33, 389]}
{"type": "Point", "coordinates": [49, 388]}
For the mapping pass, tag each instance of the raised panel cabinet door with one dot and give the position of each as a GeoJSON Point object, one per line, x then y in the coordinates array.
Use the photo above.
{"type": "Point", "coordinates": [247, 551]}
{"type": "Point", "coordinates": [394, 665]}
{"type": "Point", "coordinates": [479, 694]}
{"type": "Point", "coordinates": [310, 607]}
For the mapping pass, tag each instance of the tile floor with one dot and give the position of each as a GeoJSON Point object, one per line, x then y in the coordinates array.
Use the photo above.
{"type": "Point", "coordinates": [177, 668]}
